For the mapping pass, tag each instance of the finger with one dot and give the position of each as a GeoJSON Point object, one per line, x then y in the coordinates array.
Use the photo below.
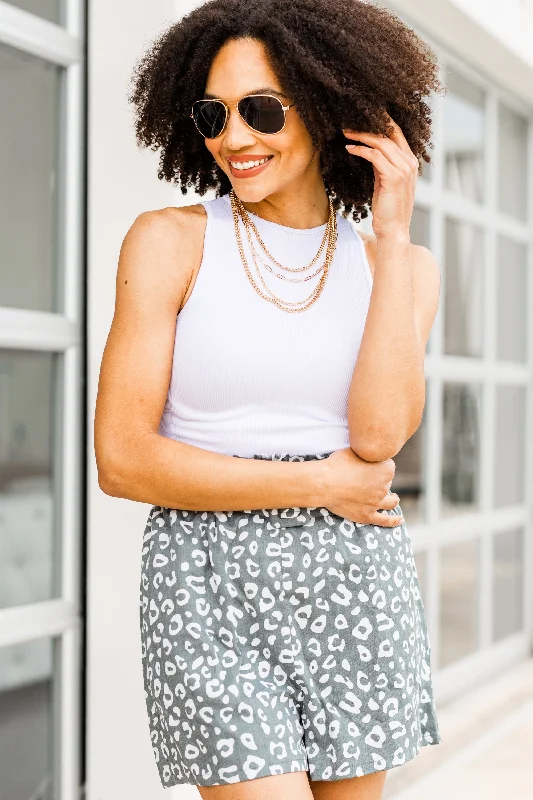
{"type": "Point", "coordinates": [389, 501]}
{"type": "Point", "coordinates": [381, 162]}
{"type": "Point", "coordinates": [386, 520]}
{"type": "Point", "coordinates": [398, 136]}
{"type": "Point", "coordinates": [390, 149]}
{"type": "Point", "coordinates": [397, 139]}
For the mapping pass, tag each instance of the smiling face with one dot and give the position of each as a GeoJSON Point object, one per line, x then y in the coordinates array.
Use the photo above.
{"type": "Point", "coordinates": [240, 68]}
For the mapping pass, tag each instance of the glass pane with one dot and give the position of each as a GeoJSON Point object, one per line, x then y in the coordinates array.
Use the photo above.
{"type": "Point", "coordinates": [512, 301]}
{"type": "Point", "coordinates": [48, 9]}
{"type": "Point", "coordinates": [29, 87]}
{"type": "Point", "coordinates": [26, 721]}
{"type": "Point", "coordinates": [409, 478]}
{"type": "Point", "coordinates": [464, 137]}
{"type": "Point", "coordinates": [461, 448]}
{"type": "Point", "coordinates": [419, 230]}
{"type": "Point", "coordinates": [426, 174]}
{"type": "Point", "coordinates": [459, 579]}
{"type": "Point", "coordinates": [509, 454]}
{"type": "Point", "coordinates": [508, 551]}
{"type": "Point", "coordinates": [463, 314]}
{"type": "Point", "coordinates": [419, 233]}
{"type": "Point", "coordinates": [512, 163]}
{"type": "Point", "coordinates": [27, 409]}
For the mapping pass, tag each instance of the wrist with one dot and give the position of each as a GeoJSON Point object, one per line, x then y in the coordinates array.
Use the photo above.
{"type": "Point", "coordinates": [396, 238]}
{"type": "Point", "coordinates": [318, 482]}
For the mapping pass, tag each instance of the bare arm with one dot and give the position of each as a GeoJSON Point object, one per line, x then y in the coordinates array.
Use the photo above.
{"type": "Point", "coordinates": [154, 273]}
{"type": "Point", "coordinates": [387, 393]}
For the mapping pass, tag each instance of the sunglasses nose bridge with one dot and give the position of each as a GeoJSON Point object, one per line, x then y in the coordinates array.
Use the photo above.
{"type": "Point", "coordinates": [229, 128]}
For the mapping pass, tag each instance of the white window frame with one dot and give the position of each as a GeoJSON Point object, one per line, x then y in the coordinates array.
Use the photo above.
{"type": "Point", "coordinates": [60, 333]}
{"type": "Point", "coordinates": [434, 532]}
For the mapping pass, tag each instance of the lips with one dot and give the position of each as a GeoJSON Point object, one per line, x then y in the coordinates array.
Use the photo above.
{"type": "Point", "coordinates": [252, 171]}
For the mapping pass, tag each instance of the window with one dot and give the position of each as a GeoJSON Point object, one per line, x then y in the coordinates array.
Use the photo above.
{"type": "Point", "coordinates": [40, 398]}
{"type": "Point", "coordinates": [468, 458]}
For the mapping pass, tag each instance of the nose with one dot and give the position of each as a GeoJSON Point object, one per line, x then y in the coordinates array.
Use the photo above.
{"type": "Point", "coordinates": [236, 133]}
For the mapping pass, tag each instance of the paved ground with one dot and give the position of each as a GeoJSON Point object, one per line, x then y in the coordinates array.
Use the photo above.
{"type": "Point", "coordinates": [487, 748]}
{"type": "Point", "coordinates": [498, 765]}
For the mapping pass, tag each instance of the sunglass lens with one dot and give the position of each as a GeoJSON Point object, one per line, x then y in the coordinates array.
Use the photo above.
{"type": "Point", "coordinates": [209, 116]}
{"type": "Point", "coordinates": [262, 113]}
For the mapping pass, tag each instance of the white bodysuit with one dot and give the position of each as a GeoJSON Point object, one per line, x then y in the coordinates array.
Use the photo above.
{"type": "Point", "coordinates": [249, 378]}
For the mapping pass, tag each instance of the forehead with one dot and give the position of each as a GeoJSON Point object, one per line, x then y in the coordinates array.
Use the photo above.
{"type": "Point", "coordinates": [241, 67]}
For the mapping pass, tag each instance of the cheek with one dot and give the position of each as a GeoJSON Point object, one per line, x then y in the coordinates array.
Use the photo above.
{"type": "Point", "coordinates": [296, 145]}
{"type": "Point", "coordinates": [297, 157]}
{"type": "Point", "coordinates": [292, 143]}
{"type": "Point", "coordinates": [213, 146]}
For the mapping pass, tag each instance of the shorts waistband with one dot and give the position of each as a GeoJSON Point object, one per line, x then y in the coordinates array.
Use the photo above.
{"type": "Point", "coordinates": [289, 456]}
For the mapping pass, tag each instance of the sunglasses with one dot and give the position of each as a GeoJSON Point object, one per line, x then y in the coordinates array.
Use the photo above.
{"type": "Point", "coordinates": [263, 113]}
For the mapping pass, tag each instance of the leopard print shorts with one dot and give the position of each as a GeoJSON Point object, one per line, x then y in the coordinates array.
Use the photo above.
{"type": "Point", "coordinates": [278, 640]}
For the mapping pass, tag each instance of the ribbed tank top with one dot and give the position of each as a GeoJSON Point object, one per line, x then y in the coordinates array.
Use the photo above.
{"type": "Point", "coordinates": [249, 378]}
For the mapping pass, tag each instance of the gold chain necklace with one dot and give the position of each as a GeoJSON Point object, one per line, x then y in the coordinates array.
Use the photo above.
{"type": "Point", "coordinates": [248, 221]}
{"type": "Point", "coordinates": [278, 274]}
{"type": "Point", "coordinates": [286, 305]}
{"type": "Point", "coordinates": [331, 237]}
{"type": "Point", "coordinates": [272, 293]}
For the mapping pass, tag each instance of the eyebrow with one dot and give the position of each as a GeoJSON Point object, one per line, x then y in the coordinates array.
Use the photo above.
{"type": "Point", "coordinates": [262, 90]}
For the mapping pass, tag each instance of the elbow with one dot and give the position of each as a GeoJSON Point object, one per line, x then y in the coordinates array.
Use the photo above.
{"type": "Point", "coordinates": [116, 455]}
{"type": "Point", "coordinates": [110, 481]}
{"type": "Point", "coordinates": [377, 445]}
{"type": "Point", "coordinates": [120, 463]}
{"type": "Point", "coordinates": [110, 473]}
{"type": "Point", "coordinates": [374, 450]}
{"type": "Point", "coordinates": [379, 442]}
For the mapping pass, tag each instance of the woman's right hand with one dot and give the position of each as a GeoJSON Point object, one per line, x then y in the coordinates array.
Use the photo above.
{"type": "Point", "coordinates": [355, 488]}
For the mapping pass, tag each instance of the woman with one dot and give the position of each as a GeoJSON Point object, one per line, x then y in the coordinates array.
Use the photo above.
{"type": "Point", "coordinates": [285, 650]}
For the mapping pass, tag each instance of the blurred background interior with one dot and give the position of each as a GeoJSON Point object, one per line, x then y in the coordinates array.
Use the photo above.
{"type": "Point", "coordinates": [71, 182]}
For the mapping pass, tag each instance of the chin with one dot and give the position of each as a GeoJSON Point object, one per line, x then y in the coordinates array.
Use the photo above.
{"type": "Point", "coordinates": [252, 194]}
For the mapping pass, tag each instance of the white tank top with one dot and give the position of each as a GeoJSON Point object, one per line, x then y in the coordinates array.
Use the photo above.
{"type": "Point", "coordinates": [249, 378]}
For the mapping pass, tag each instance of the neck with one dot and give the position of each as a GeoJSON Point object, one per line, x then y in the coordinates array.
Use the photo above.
{"type": "Point", "coordinates": [295, 209]}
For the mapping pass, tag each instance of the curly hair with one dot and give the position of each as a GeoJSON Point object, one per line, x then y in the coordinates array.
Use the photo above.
{"type": "Point", "coordinates": [345, 63]}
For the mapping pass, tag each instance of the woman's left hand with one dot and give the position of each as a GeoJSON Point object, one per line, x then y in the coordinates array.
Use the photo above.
{"type": "Point", "coordinates": [396, 172]}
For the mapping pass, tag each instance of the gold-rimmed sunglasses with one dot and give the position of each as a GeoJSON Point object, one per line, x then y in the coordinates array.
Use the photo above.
{"type": "Point", "coordinates": [263, 113]}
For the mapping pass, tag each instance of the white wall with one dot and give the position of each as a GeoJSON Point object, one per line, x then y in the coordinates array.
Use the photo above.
{"type": "Point", "coordinates": [122, 183]}
{"type": "Point", "coordinates": [511, 22]}
{"type": "Point", "coordinates": [481, 45]}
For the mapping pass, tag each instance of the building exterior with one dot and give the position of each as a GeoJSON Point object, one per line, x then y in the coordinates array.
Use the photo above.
{"type": "Point", "coordinates": [71, 183]}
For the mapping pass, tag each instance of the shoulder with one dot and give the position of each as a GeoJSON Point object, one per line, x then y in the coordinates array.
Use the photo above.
{"type": "Point", "coordinates": [172, 222]}
{"type": "Point", "coordinates": [426, 267]}
{"type": "Point", "coordinates": [426, 281]}
{"type": "Point", "coordinates": [161, 251]}
{"type": "Point", "coordinates": [167, 231]}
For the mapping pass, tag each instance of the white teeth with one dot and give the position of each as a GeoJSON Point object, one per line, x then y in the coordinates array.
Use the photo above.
{"type": "Point", "coordinates": [247, 164]}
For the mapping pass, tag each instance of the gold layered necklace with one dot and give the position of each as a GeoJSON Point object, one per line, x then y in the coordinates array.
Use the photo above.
{"type": "Point", "coordinates": [328, 242]}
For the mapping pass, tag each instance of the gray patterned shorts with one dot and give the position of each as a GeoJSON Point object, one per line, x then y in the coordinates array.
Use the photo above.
{"type": "Point", "coordinates": [279, 640]}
